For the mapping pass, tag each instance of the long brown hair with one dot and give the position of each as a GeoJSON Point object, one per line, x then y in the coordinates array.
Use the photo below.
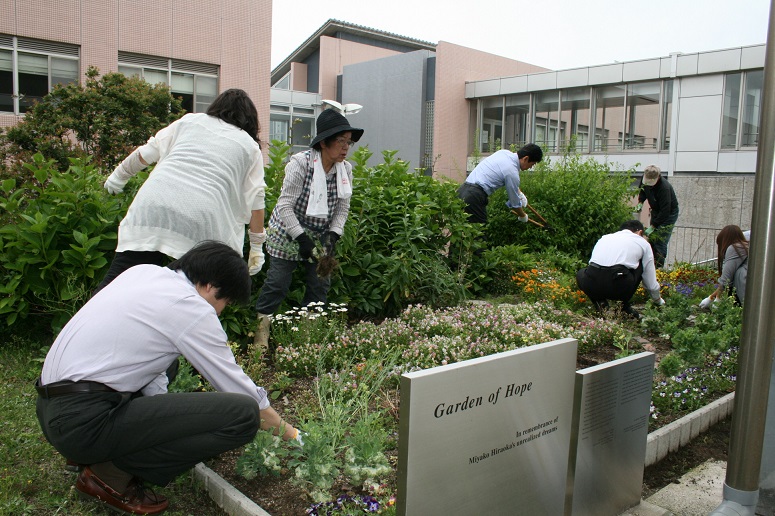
{"type": "Point", "coordinates": [730, 235]}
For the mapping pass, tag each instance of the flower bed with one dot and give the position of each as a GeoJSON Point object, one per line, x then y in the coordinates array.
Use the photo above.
{"type": "Point", "coordinates": [340, 384]}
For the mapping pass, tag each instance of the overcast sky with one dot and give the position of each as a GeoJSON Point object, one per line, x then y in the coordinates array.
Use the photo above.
{"type": "Point", "coordinates": [555, 34]}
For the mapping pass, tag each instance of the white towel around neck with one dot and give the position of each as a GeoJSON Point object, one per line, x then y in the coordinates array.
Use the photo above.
{"type": "Point", "coordinates": [317, 205]}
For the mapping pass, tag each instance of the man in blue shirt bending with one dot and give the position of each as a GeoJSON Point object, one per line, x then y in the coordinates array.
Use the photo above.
{"type": "Point", "coordinates": [501, 169]}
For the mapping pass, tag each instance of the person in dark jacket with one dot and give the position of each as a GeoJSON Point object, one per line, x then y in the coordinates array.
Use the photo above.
{"type": "Point", "coordinates": [664, 211]}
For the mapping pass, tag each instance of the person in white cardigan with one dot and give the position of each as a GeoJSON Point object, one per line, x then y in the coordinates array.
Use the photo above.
{"type": "Point", "coordinates": [313, 206]}
{"type": "Point", "coordinates": [208, 184]}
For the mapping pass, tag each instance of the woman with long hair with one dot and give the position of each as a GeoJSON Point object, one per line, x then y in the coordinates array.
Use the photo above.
{"type": "Point", "coordinates": [732, 263]}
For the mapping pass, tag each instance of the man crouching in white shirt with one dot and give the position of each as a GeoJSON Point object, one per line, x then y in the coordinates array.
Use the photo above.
{"type": "Point", "coordinates": [618, 263]}
{"type": "Point", "coordinates": [102, 394]}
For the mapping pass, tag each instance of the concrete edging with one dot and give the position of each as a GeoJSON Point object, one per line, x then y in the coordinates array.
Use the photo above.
{"type": "Point", "coordinates": [659, 443]}
{"type": "Point", "coordinates": [677, 434]}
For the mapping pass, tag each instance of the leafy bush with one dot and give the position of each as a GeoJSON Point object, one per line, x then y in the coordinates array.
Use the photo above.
{"type": "Point", "coordinates": [57, 239]}
{"type": "Point", "coordinates": [394, 249]}
{"type": "Point", "coordinates": [104, 119]}
{"type": "Point", "coordinates": [580, 198]}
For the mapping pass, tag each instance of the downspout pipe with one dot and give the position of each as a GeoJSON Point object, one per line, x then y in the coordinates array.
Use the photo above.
{"type": "Point", "coordinates": [741, 486]}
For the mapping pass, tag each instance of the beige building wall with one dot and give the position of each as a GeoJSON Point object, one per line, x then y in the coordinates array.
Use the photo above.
{"type": "Point", "coordinates": [335, 54]}
{"type": "Point", "coordinates": [454, 66]}
{"type": "Point", "coordinates": [234, 34]}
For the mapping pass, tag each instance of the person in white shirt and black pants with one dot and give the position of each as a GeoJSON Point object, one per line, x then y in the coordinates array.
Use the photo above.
{"type": "Point", "coordinates": [619, 262]}
{"type": "Point", "coordinates": [102, 393]}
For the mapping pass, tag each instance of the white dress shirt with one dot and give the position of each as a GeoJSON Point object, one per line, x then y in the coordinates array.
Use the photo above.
{"type": "Point", "coordinates": [629, 249]}
{"type": "Point", "coordinates": [130, 332]}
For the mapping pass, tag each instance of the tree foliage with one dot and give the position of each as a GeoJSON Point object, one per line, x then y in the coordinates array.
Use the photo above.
{"type": "Point", "coordinates": [104, 119]}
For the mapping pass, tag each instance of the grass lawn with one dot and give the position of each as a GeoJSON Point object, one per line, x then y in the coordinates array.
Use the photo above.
{"type": "Point", "coordinates": [32, 477]}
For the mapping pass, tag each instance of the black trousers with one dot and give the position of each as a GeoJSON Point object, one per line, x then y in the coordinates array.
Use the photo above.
{"type": "Point", "coordinates": [127, 259]}
{"type": "Point", "coordinates": [153, 437]}
{"type": "Point", "coordinates": [476, 200]}
{"type": "Point", "coordinates": [609, 283]}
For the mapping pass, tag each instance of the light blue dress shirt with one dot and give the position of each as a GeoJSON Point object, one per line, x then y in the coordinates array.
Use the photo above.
{"type": "Point", "coordinates": [498, 170]}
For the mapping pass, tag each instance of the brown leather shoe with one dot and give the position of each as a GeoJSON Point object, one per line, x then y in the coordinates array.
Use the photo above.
{"type": "Point", "coordinates": [135, 500]}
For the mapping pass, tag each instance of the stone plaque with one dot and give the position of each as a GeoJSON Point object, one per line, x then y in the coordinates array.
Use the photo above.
{"type": "Point", "coordinates": [610, 430]}
{"type": "Point", "coordinates": [488, 436]}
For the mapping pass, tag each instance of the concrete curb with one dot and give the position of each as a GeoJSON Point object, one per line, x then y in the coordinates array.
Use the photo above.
{"type": "Point", "coordinates": [667, 439]}
{"type": "Point", "coordinates": [677, 434]}
{"type": "Point", "coordinates": [225, 495]}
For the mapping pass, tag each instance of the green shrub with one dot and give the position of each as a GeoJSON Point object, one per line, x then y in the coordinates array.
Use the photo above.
{"type": "Point", "coordinates": [579, 197]}
{"type": "Point", "coordinates": [57, 239]}
{"type": "Point", "coordinates": [407, 240]}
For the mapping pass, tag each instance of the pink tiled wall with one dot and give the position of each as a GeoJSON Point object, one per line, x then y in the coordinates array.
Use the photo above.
{"type": "Point", "coordinates": [235, 34]}
{"type": "Point", "coordinates": [454, 66]}
{"type": "Point", "coordinates": [335, 54]}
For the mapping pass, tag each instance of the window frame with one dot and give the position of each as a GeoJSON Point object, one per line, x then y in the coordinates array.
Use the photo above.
{"type": "Point", "coordinates": [16, 45]}
{"type": "Point", "coordinates": [167, 66]}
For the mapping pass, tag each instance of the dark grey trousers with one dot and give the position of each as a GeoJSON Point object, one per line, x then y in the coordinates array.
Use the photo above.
{"type": "Point", "coordinates": [278, 283]}
{"type": "Point", "coordinates": [153, 437]}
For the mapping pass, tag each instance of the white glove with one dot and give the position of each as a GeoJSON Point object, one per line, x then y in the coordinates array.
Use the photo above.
{"type": "Point", "coordinates": [660, 302]}
{"type": "Point", "coordinates": [256, 256]}
{"type": "Point", "coordinates": [705, 303]}
{"type": "Point", "coordinates": [522, 219]}
{"type": "Point", "coordinates": [124, 172]}
{"type": "Point", "coordinates": [523, 199]}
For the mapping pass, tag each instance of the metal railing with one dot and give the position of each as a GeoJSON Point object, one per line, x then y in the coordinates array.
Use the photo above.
{"type": "Point", "coordinates": [692, 244]}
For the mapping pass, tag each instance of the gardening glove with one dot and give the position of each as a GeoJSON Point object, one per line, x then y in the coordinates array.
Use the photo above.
{"type": "Point", "coordinates": [306, 246]}
{"type": "Point", "coordinates": [331, 237]}
{"type": "Point", "coordinates": [256, 256]}
{"type": "Point", "coordinates": [523, 199]}
{"type": "Point", "coordinates": [639, 207]}
{"type": "Point", "coordinates": [649, 230]}
{"type": "Point", "coordinates": [660, 302]}
{"type": "Point", "coordinates": [522, 219]}
{"type": "Point", "coordinates": [705, 303]}
{"type": "Point", "coordinates": [123, 173]}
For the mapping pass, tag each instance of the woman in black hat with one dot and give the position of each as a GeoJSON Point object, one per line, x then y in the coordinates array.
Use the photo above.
{"type": "Point", "coordinates": [311, 211]}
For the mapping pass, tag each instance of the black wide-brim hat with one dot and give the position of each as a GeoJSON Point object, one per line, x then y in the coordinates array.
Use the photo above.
{"type": "Point", "coordinates": [330, 122]}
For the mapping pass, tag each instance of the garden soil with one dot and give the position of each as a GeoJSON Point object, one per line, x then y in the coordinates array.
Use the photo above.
{"type": "Point", "coordinates": [280, 497]}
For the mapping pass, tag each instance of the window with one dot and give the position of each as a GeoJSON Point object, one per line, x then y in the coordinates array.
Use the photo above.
{"type": "Point", "coordinates": [292, 125]}
{"type": "Point", "coordinates": [574, 119]}
{"type": "Point", "coordinates": [284, 83]}
{"type": "Point", "coordinates": [752, 108]}
{"type": "Point", "coordinates": [547, 104]}
{"type": "Point", "coordinates": [741, 111]}
{"type": "Point", "coordinates": [642, 120]}
{"type": "Point", "coordinates": [667, 114]}
{"type": "Point", "coordinates": [29, 69]}
{"type": "Point", "coordinates": [517, 117]}
{"type": "Point", "coordinates": [196, 84]}
{"type": "Point", "coordinates": [491, 129]}
{"type": "Point", "coordinates": [609, 118]}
